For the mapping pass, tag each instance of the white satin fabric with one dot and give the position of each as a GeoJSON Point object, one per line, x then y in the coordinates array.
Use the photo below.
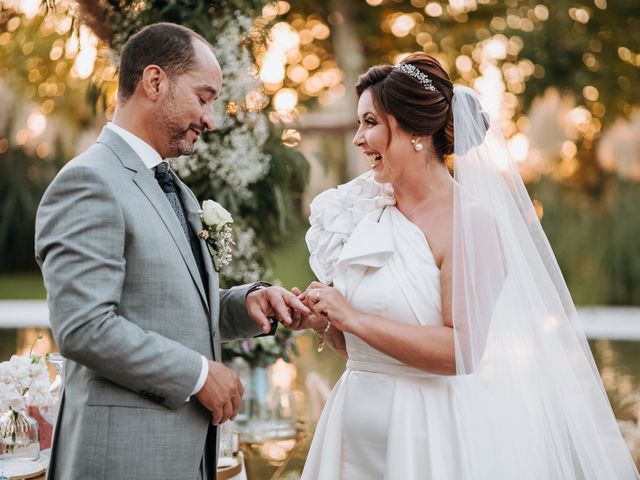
{"type": "Point", "coordinates": [384, 419]}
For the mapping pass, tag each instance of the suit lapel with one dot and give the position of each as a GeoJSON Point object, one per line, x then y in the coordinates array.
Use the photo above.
{"type": "Point", "coordinates": [146, 182]}
{"type": "Point", "coordinates": [191, 207]}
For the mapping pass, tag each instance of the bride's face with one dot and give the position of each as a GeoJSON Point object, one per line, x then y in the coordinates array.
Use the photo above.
{"type": "Point", "coordinates": [386, 147]}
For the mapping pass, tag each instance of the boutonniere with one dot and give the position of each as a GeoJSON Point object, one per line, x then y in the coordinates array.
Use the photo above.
{"type": "Point", "coordinates": [217, 232]}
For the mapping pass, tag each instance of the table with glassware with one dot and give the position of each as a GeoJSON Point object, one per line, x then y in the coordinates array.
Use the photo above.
{"type": "Point", "coordinates": [266, 427]}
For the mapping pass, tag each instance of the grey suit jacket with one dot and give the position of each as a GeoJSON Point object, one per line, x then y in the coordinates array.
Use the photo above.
{"type": "Point", "coordinates": [130, 314]}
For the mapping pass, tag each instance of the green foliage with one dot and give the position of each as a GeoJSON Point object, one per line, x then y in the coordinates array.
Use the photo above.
{"type": "Point", "coordinates": [35, 78]}
{"type": "Point", "coordinates": [565, 49]}
{"type": "Point", "coordinates": [275, 205]}
{"type": "Point", "coordinates": [289, 261]}
{"type": "Point", "coordinates": [126, 18]}
{"type": "Point", "coordinates": [23, 179]}
{"type": "Point", "coordinates": [22, 286]}
{"type": "Point", "coordinates": [595, 240]}
{"type": "Point", "coordinates": [622, 254]}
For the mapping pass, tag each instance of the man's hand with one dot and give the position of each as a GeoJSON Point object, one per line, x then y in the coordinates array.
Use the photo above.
{"type": "Point", "coordinates": [221, 393]}
{"type": "Point", "coordinates": [273, 302]}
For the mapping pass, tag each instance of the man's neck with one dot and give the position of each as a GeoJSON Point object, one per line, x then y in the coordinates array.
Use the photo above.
{"type": "Point", "coordinates": [133, 124]}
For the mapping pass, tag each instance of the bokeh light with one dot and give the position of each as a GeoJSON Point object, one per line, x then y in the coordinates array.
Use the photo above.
{"type": "Point", "coordinates": [285, 100]}
{"type": "Point", "coordinates": [86, 48]}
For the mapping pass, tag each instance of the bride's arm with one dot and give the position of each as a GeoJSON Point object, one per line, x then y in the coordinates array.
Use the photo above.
{"type": "Point", "coordinates": [428, 348]}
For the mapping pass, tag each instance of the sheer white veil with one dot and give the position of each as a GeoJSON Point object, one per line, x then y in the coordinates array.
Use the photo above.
{"type": "Point", "coordinates": [531, 401]}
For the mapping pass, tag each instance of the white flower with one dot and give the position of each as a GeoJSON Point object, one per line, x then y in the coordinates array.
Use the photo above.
{"type": "Point", "coordinates": [39, 394]}
{"type": "Point", "coordinates": [11, 398]}
{"type": "Point", "coordinates": [24, 380]}
{"type": "Point", "coordinates": [6, 372]}
{"type": "Point", "coordinates": [21, 365]}
{"type": "Point", "coordinates": [215, 215]}
{"type": "Point", "coordinates": [38, 370]}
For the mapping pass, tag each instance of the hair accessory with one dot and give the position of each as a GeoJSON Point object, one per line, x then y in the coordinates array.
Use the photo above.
{"type": "Point", "coordinates": [414, 72]}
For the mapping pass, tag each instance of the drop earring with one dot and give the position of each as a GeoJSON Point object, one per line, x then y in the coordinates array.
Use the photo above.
{"type": "Point", "coordinates": [417, 146]}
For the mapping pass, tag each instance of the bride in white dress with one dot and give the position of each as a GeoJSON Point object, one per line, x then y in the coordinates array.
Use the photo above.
{"type": "Point", "coordinates": [464, 358]}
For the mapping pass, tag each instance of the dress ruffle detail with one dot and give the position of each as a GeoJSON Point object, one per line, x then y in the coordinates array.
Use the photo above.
{"type": "Point", "coordinates": [336, 213]}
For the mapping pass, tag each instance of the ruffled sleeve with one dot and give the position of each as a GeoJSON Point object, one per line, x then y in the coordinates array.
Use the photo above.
{"type": "Point", "coordinates": [335, 213]}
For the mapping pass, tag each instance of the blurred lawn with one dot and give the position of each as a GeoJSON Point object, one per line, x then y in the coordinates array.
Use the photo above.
{"type": "Point", "coordinates": [22, 286]}
{"type": "Point", "coordinates": [289, 262]}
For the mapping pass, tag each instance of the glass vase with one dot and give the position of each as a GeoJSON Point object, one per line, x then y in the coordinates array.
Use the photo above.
{"type": "Point", "coordinates": [260, 389]}
{"type": "Point", "coordinates": [19, 436]}
{"type": "Point", "coordinates": [50, 412]}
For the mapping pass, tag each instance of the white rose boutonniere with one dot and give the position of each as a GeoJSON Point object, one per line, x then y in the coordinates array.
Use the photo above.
{"type": "Point", "coordinates": [217, 232]}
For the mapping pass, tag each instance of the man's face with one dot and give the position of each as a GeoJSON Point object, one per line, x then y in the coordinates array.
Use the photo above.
{"type": "Point", "coordinates": [187, 109]}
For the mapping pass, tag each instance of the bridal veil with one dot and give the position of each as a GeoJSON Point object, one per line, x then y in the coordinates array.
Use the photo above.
{"type": "Point", "coordinates": [531, 401]}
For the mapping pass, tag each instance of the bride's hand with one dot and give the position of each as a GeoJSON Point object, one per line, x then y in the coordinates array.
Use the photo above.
{"type": "Point", "coordinates": [301, 321]}
{"type": "Point", "coordinates": [329, 303]}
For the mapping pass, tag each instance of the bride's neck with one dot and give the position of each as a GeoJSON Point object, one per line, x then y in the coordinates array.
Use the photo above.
{"type": "Point", "coordinates": [430, 184]}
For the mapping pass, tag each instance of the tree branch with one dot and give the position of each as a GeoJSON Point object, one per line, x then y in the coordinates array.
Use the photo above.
{"type": "Point", "coordinates": [98, 16]}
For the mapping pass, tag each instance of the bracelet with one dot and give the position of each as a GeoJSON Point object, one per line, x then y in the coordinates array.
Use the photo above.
{"type": "Point", "coordinates": [321, 340]}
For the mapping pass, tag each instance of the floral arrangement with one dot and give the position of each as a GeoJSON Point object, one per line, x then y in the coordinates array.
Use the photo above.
{"type": "Point", "coordinates": [217, 233]}
{"type": "Point", "coordinates": [264, 351]}
{"type": "Point", "coordinates": [230, 161]}
{"type": "Point", "coordinates": [24, 381]}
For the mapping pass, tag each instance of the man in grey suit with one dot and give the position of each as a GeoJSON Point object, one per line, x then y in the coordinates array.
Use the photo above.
{"type": "Point", "coordinates": [133, 296]}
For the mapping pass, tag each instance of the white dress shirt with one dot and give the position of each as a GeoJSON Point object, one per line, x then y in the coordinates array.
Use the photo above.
{"type": "Point", "coordinates": [152, 159]}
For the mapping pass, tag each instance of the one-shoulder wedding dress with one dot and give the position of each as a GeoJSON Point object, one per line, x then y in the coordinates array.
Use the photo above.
{"type": "Point", "coordinates": [384, 419]}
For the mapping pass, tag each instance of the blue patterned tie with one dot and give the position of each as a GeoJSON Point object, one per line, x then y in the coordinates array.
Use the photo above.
{"type": "Point", "coordinates": [165, 180]}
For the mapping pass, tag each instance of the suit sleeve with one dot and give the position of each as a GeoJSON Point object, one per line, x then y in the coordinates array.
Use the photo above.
{"type": "Point", "coordinates": [80, 247]}
{"type": "Point", "coordinates": [234, 321]}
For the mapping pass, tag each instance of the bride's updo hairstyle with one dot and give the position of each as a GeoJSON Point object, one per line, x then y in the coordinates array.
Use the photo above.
{"type": "Point", "coordinates": [418, 109]}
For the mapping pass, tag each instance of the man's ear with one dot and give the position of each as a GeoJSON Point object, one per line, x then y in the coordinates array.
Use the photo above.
{"type": "Point", "coordinates": [154, 82]}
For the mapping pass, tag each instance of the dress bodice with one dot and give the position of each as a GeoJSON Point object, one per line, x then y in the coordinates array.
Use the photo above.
{"type": "Point", "coordinates": [378, 259]}
{"type": "Point", "coordinates": [405, 288]}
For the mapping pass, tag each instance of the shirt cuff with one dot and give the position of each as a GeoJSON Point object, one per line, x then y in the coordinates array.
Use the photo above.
{"type": "Point", "coordinates": [257, 286]}
{"type": "Point", "coordinates": [203, 375]}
